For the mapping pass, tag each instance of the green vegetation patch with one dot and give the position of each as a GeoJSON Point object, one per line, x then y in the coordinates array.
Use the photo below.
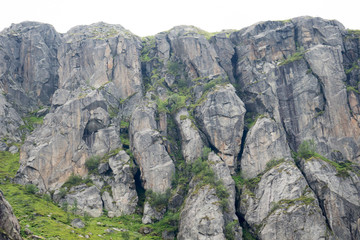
{"type": "Point", "coordinates": [298, 55]}
{"type": "Point", "coordinates": [9, 164]}
{"type": "Point", "coordinates": [353, 67]}
{"type": "Point", "coordinates": [75, 180]}
{"type": "Point", "coordinates": [30, 122]}
{"type": "Point", "coordinates": [307, 151]}
{"type": "Point", "coordinates": [48, 220]}
{"type": "Point", "coordinates": [249, 185]}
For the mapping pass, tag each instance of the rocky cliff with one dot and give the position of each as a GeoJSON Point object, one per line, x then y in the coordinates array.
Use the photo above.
{"type": "Point", "coordinates": [251, 133]}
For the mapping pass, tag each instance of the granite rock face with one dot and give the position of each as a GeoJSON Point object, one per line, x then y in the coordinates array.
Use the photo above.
{"type": "Point", "coordinates": [29, 67]}
{"type": "Point", "coordinates": [339, 194]}
{"type": "Point", "coordinates": [9, 225]}
{"type": "Point", "coordinates": [221, 118]}
{"type": "Point", "coordinates": [281, 198]}
{"type": "Point", "coordinates": [265, 141]}
{"type": "Point", "coordinates": [149, 112]}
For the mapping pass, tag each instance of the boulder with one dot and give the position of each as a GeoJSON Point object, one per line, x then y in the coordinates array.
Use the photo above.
{"type": "Point", "coordinates": [9, 225]}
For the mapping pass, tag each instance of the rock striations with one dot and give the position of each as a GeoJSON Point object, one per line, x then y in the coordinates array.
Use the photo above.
{"type": "Point", "coordinates": [244, 133]}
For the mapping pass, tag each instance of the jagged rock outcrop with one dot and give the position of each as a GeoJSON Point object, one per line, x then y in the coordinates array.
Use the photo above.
{"type": "Point", "coordinates": [222, 173]}
{"type": "Point", "coordinates": [194, 51]}
{"type": "Point", "coordinates": [102, 55]}
{"type": "Point", "coordinates": [282, 206]}
{"type": "Point", "coordinates": [28, 70]}
{"type": "Point", "coordinates": [265, 141]}
{"type": "Point", "coordinates": [156, 166]}
{"type": "Point", "coordinates": [221, 118]}
{"type": "Point", "coordinates": [9, 225]}
{"type": "Point", "coordinates": [277, 76]}
{"type": "Point", "coordinates": [202, 217]}
{"type": "Point", "coordinates": [339, 195]}
{"type": "Point", "coordinates": [10, 121]}
{"type": "Point", "coordinates": [192, 144]}
{"type": "Point", "coordinates": [123, 197]}
{"type": "Point", "coordinates": [62, 144]}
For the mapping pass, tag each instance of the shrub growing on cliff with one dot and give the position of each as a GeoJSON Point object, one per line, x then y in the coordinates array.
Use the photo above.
{"type": "Point", "coordinates": [92, 163]}
{"type": "Point", "coordinates": [158, 200]}
{"type": "Point", "coordinates": [307, 149]}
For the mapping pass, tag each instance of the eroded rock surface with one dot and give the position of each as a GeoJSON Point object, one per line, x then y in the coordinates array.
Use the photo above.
{"type": "Point", "coordinates": [282, 197]}
{"type": "Point", "coordinates": [339, 194]}
{"type": "Point", "coordinates": [9, 225]}
{"type": "Point", "coordinates": [221, 117]}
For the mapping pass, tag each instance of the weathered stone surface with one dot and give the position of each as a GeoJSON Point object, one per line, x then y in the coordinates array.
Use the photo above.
{"type": "Point", "coordinates": [201, 217]}
{"type": "Point", "coordinates": [149, 151]}
{"type": "Point", "coordinates": [9, 225]}
{"type": "Point", "coordinates": [100, 53]}
{"type": "Point", "coordinates": [192, 144]}
{"type": "Point", "coordinates": [265, 141]}
{"type": "Point", "coordinates": [10, 121]}
{"type": "Point", "coordinates": [123, 199]}
{"type": "Point", "coordinates": [339, 129]}
{"type": "Point", "coordinates": [222, 173]}
{"type": "Point", "coordinates": [278, 88]}
{"type": "Point", "coordinates": [28, 73]}
{"type": "Point", "coordinates": [86, 199]}
{"type": "Point", "coordinates": [66, 139]}
{"type": "Point", "coordinates": [152, 214]}
{"type": "Point", "coordinates": [221, 118]}
{"type": "Point", "coordinates": [225, 50]}
{"type": "Point", "coordinates": [77, 223]}
{"type": "Point", "coordinates": [283, 198]}
{"type": "Point", "coordinates": [194, 51]}
{"type": "Point", "coordinates": [339, 196]}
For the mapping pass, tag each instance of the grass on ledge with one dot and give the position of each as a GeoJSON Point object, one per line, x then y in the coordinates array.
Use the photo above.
{"type": "Point", "coordinates": [48, 220]}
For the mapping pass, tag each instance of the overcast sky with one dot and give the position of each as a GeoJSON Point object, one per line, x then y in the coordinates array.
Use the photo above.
{"type": "Point", "coordinates": [148, 17]}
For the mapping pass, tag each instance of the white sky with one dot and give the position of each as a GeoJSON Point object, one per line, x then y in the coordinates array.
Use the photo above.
{"type": "Point", "coordinates": [148, 17]}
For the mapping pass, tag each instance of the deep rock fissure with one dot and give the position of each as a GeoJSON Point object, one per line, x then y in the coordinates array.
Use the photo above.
{"type": "Point", "coordinates": [140, 191]}
{"type": "Point", "coordinates": [321, 203]}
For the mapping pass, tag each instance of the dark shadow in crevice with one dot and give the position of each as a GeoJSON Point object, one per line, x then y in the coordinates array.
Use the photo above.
{"type": "Point", "coordinates": [139, 190]}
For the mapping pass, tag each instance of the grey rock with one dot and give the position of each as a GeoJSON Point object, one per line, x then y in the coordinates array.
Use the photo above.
{"type": "Point", "coordinates": [152, 214]}
{"type": "Point", "coordinates": [166, 235]}
{"type": "Point", "coordinates": [77, 223]}
{"type": "Point", "coordinates": [194, 51]}
{"type": "Point", "coordinates": [87, 200]}
{"type": "Point", "coordinates": [103, 168]}
{"type": "Point", "coordinates": [42, 112]}
{"type": "Point", "coordinates": [265, 141]}
{"type": "Point", "coordinates": [100, 53]}
{"type": "Point", "coordinates": [123, 199]}
{"type": "Point", "coordinates": [283, 198]}
{"type": "Point", "coordinates": [201, 217]}
{"type": "Point", "coordinates": [67, 138]}
{"type": "Point", "coordinates": [192, 144]}
{"type": "Point", "coordinates": [145, 230]}
{"type": "Point", "coordinates": [28, 231]}
{"type": "Point", "coordinates": [9, 225]}
{"type": "Point", "coordinates": [221, 118]}
{"type": "Point", "coordinates": [10, 120]}
{"type": "Point", "coordinates": [60, 97]}
{"type": "Point", "coordinates": [223, 174]}
{"type": "Point", "coordinates": [149, 151]}
{"type": "Point", "coordinates": [13, 149]}
{"type": "Point", "coordinates": [29, 72]}
{"type": "Point", "coordinates": [339, 196]}
{"type": "Point", "coordinates": [225, 50]}
{"type": "Point", "coordinates": [3, 146]}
